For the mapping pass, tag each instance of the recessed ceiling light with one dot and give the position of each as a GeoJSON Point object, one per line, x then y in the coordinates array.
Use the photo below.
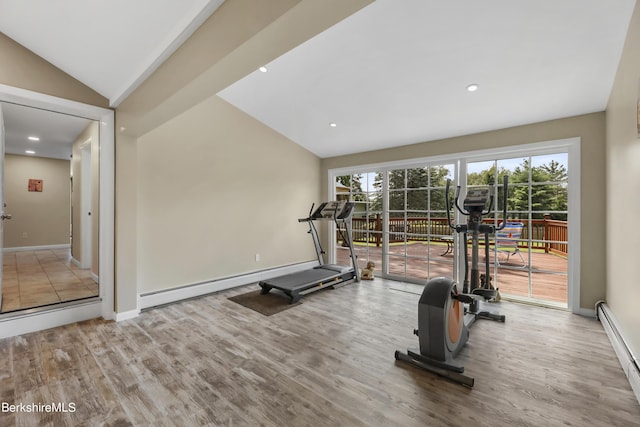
{"type": "Point", "coordinates": [263, 69]}
{"type": "Point", "coordinates": [333, 125]}
{"type": "Point", "coordinates": [33, 138]}
{"type": "Point", "coordinates": [30, 152]}
{"type": "Point", "coordinates": [472, 87]}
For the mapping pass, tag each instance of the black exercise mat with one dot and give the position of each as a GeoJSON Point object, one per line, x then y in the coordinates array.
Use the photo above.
{"type": "Point", "coordinates": [268, 304]}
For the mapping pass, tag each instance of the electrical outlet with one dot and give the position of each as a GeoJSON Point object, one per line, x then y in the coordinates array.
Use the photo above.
{"type": "Point", "coordinates": [25, 235]}
{"type": "Point", "coordinates": [257, 257]}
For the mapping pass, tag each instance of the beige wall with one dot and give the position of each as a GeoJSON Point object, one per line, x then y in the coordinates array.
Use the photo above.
{"type": "Point", "coordinates": [21, 68]}
{"type": "Point", "coordinates": [216, 187]}
{"type": "Point", "coordinates": [126, 262]}
{"type": "Point", "coordinates": [590, 128]}
{"type": "Point", "coordinates": [39, 219]}
{"type": "Point", "coordinates": [623, 181]}
{"type": "Point", "coordinates": [200, 180]}
{"type": "Point", "coordinates": [90, 135]}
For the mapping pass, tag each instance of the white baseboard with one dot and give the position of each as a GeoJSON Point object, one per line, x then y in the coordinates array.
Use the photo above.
{"type": "Point", "coordinates": [33, 320]}
{"type": "Point", "coordinates": [36, 248]}
{"type": "Point", "coordinates": [153, 299]}
{"type": "Point", "coordinates": [126, 315]}
{"type": "Point", "coordinates": [629, 362]}
{"type": "Point", "coordinates": [586, 312]}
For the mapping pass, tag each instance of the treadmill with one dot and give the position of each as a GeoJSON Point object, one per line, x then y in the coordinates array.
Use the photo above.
{"type": "Point", "coordinates": [323, 276]}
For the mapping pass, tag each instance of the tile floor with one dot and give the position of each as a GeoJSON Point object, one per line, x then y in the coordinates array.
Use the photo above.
{"type": "Point", "coordinates": [36, 278]}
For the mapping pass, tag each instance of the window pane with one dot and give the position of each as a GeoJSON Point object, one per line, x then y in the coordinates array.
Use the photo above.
{"type": "Point", "coordinates": [417, 178]}
{"type": "Point", "coordinates": [397, 200]}
{"type": "Point", "coordinates": [417, 200]}
{"type": "Point", "coordinates": [551, 167]}
{"type": "Point", "coordinates": [481, 173]}
{"type": "Point", "coordinates": [518, 201]}
{"type": "Point", "coordinates": [396, 179]}
{"type": "Point", "coordinates": [439, 174]}
{"type": "Point", "coordinates": [437, 201]}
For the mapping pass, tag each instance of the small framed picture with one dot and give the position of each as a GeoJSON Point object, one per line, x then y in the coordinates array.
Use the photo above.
{"type": "Point", "coordinates": [35, 185]}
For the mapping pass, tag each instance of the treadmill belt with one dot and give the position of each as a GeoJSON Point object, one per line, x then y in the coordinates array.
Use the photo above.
{"type": "Point", "coordinates": [301, 279]}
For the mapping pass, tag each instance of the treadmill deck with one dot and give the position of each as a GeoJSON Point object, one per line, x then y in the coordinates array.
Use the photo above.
{"type": "Point", "coordinates": [295, 284]}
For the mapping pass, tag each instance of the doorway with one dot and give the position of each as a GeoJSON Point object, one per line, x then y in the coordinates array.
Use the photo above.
{"type": "Point", "coordinates": [531, 261]}
{"type": "Point", "coordinates": [39, 268]}
{"type": "Point", "coordinates": [33, 319]}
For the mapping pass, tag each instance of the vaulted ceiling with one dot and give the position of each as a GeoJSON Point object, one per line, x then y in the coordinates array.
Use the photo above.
{"type": "Point", "coordinates": [397, 72]}
{"type": "Point", "coordinates": [393, 73]}
{"type": "Point", "coordinates": [109, 46]}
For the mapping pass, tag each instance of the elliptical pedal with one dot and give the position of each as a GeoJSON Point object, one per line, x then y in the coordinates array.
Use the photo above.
{"type": "Point", "coordinates": [460, 378]}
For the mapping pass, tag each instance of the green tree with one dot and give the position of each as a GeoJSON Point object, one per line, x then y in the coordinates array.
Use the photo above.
{"type": "Point", "coordinates": [354, 183]}
{"type": "Point", "coordinates": [412, 188]}
{"type": "Point", "coordinates": [558, 197]}
{"type": "Point", "coordinates": [548, 187]}
{"type": "Point", "coordinates": [485, 177]}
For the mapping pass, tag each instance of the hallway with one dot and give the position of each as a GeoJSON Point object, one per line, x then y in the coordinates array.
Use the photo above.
{"type": "Point", "coordinates": [36, 278]}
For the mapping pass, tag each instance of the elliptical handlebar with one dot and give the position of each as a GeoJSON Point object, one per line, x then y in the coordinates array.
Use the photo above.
{"type": "Point", "coordinates": [446, 201]}
{"type": "Point", "coordinates": [505, 185]}
{"type": "Point", "coordinates": [456, 197]}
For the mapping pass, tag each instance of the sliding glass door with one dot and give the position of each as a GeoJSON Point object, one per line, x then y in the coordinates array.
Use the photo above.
{"type": "Point", "coordinates": [418, 234]}
{"type": "Point", "coordinates": [366, 223]}
{"type": "Point", "coordinates": [400, 220]}
{"type": "Point", "coordinates": [531, 261]}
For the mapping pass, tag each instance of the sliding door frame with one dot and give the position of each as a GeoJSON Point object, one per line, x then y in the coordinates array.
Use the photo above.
{"type": "Point", "coordinates": [460, 160]}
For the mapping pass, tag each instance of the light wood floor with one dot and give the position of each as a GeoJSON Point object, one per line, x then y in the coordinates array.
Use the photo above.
{"type": "Point", "coordinates": [37, 278]}
{"type": "Point", "coordinates": [326, 362]}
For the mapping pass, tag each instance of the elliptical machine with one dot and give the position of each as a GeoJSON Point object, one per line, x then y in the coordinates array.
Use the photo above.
{"type": "Point", "coordinates": [443, 318]}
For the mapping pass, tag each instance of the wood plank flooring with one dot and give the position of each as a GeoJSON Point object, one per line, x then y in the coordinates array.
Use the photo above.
{"type": "Point", "coordinates": [326, 362]}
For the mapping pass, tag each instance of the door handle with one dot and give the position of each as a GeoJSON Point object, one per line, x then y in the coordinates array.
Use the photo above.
{"type": "Point", "coordinates": [4, 216]}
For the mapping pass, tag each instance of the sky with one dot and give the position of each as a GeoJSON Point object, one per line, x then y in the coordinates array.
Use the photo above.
{"type": "Point", "coordinates": [511, 164]}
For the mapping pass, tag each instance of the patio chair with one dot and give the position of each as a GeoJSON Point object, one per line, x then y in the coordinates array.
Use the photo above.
{"type": "Point", "coordinates": [507, 241]}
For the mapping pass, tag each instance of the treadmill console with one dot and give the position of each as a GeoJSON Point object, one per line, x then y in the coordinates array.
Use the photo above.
{"type": "Point", "coordinates": [333, 210]}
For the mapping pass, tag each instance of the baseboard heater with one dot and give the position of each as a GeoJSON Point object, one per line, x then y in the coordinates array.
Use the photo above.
{"type": "Point", "coordinates": [630, 363]}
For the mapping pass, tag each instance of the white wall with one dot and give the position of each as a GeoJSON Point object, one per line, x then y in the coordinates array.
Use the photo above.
{"type": "Point", "coordinates": [92, 133]}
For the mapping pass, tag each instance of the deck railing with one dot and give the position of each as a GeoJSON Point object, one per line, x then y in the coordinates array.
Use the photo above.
{"type": "Point", "coordinates": [550, 235]}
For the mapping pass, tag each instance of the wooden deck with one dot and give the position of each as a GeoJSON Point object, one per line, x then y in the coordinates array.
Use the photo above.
{"type": "Point", "coordinates": [548, 272]}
